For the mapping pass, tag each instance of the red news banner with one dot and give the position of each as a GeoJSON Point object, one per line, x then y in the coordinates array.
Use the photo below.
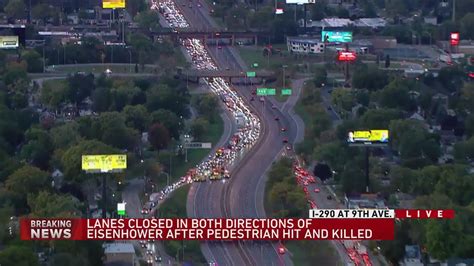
{"type": "Point", "coordinates": [323, 225]}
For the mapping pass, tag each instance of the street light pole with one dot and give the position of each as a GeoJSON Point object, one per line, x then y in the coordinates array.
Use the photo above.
{"type": "Point", "coordinates": [130, 65]}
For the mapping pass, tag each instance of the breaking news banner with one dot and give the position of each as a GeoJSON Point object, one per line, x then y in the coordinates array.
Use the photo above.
{"type": "Point", "coordinates": [324, 224]}
{"type": "Point", "coordinates": [206, 229]}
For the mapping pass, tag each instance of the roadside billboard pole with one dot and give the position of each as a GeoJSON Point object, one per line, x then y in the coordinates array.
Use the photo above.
{"type": "Point", "coordinates": [368, 139]}
{"type": "Point", "coordinates": [104, 164]}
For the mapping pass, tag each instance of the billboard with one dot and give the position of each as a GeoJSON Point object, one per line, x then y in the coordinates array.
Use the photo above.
{"type": "Point", "coordinates": [368, 137]}
{"type": "Point", "coordinates": [346, 56]}
{"type": "Point", "coordinates": [113, 3]}
{"type": "Point", "coordinates": [336, 36]}
{"type": "Point", "coordinates": [300, 2]}
{"type": "Point", "coordinates": [104, 163]}
{"type": "Point", "coordinates": [454, 38]}
{"type": "Point", "coordinates": [9, 42]}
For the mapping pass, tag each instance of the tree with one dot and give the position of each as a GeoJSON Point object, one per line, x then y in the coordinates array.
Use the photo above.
{"type": "Point", "coordinates": [158, 136]}
{"type": "Point", "coordinates": [65, 135]}
{"type": "Point", "coordinates": [114, 132]}
{"type": "Point", "coordinates": [207, 105]}
{"type": "Point", "coordinates": [379, 118]}
{"type": "Point", "coordinates": [42, 12]}
{"type": "Point", "coordinates": [343, 99]}
{"type": "Point", "coordinates": [451, 78]}
{"type": "Point", "coordinates": [165, 97]}
{"type": "Point", "coordinates": [50, 205]}
{"type": "Point", "coordinates": [101, 100]}
{"type": "Point", "coordinates": [18, 255]}
{"type": "Point", "coordinates": [199, 128]}
{"type": "Point", "coordinates": [370, 78]}
{"type": "Point", "coordinates": [27, 179]}
{"type": "Point", "coordinates": [467, 24]}
{"type": "Point", "coordinates": [397, 89]}
{"type": "Point", "coordinates": [33, 60]}
{"type": "Point", "coordinates": [135, 6]}
{"type": "Point", "coordinates": [439, 244]}
{"type": "Point", "coordinates": [412, 140]}
{"type": "Point", "coordinates": [53, 94]}
{"type": "Point", "coordinates": [136, 117]}
{"type": "Point", "coordinates": [148, 20]}
{"type": "Point", "coordinates": [387, 61]}
{"type": "Point", "coordinates": [15, 72]}
{"type": "Point", "coordinates": [15, 9]}
{"type": "Point", "coordinates": [143, 45]}
{"type": "Point", "coordinates": [80, 87]}
{"type": "Point", "coordinates": [320, 76]}
{"type": "Point", "coordinates": [170, 120]}
{"type": "Point", "coordinates": [38, 148]}
{"type": "Point", "coordinates": [320, 122]}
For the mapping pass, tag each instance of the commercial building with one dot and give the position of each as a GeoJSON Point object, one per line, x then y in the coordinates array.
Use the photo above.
{"type": "Point", "coordinates": [308, 45]}
{"type": "Point", "coordinates": [364, 201]}
{"type": "Point", "coordinates": [119, 254]}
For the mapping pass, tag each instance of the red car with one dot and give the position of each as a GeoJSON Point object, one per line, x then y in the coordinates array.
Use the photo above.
{"type": "Point", "coordinates": [281, 250]}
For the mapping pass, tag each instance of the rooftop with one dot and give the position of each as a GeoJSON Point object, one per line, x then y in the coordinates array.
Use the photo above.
{"type": "Point", "coordinates": [118, 248]}
{"type": "Point", "coordinates": [370, 22]}
{"type": "Point", "coordinates": [362, 201]}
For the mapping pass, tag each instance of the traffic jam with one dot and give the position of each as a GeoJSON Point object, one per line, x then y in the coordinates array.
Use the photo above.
{"type": "Point", "coordinates": [217, 165]}
{"type": "Point", "coordinates": [355, 251]}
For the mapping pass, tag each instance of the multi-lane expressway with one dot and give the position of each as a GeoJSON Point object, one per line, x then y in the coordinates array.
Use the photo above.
{"type": "Point", "coordinates": [242, 195]}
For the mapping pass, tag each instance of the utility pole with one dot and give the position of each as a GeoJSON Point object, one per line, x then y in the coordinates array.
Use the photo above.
{"type": "Point", "coordinates": [104, 196]}
{"type": "Point", "coordinates": [367, 179]}
{"type": "Point", "coordinates": [454, 10]}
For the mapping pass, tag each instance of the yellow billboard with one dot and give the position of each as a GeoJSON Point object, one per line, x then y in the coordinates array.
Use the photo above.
{"type": "Point", "coordinates": [104, 163]}
{"type": "Point", "coordinates": [368, 136]}
{"type": "Point", "coordinates": [8, 42]}
{"type": "Point", "coordinates": [113, 3]}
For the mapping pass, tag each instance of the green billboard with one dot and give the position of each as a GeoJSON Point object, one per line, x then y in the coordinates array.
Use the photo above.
{"type": "Point", "coordinates": [251, 74]}
{"type": "Point", "coordinates": [336, 36]}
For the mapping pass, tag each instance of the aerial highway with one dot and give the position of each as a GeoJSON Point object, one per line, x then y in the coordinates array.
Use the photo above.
{"type": "Point", "coordinates": [268, 131]}
{"type": "Point", "coordinates": [242, 195]}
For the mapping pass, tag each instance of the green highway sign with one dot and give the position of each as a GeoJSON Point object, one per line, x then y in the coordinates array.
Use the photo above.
{"type": "Point", "coordinates": [121, 208]}
{"type": "Point", "coordinates": [286, 91]}
{"type": "Point", "coordinates": [262, 91]}
{"type": "Point", "coordinates": [266, 91]}
{"type": "Point", "coordinates": [251, 74]}
{"type": "Point", "coordinates": [255, 65]}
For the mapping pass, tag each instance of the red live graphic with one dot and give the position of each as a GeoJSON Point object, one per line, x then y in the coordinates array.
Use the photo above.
{"type": "Point", "coordinates": [424, 214]}
{"type": "Point", "coordinates": [207, 229]}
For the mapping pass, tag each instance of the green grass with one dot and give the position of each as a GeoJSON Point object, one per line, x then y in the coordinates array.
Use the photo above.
{"type": "Point", "coordinates": [98, 68]}
{"type": "Point", "coordinates": [300, 108]}
{"type": "Point", "coordinates": [175, 206]}
{"type": "Point", "coordinates": [280, 98]}
{"type": "Point", "coordinates": [306, 253]}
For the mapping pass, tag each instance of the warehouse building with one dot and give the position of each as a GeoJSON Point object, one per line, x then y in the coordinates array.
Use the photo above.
{"type": "Point", "coordinates": [308, 45]}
